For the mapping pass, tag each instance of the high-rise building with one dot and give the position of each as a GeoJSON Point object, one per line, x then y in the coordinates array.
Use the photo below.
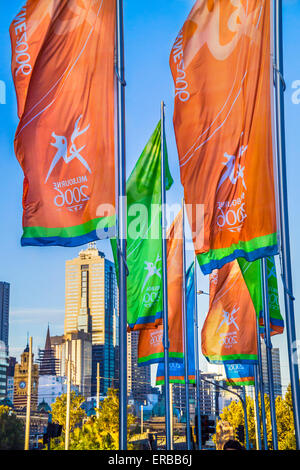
{"type": "Point", "coordinates": [92, 307]}
{"type": "Point", "coordinates": [276, 370]}
{"type": "Point", "coordinates": [47, 360]}
{"type": "Point", "coordinates": [52, 382]}
{"type": "Point", "coordinates": [138, 377]}
{"type": "Point", "coordinates": [10, 378]}
{"type": "Point", "coordinates": [3, 370]}
{"type": "Point", "coordinates": [21, 382]}
{"type": "Point", "coordinates": [4, 312]}
{"type": "Point", "coordinates": [77, 347]}
{"type": "Point", "coordinates": [51, 387]}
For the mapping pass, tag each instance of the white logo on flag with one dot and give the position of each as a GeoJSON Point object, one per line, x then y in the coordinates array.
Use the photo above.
{"type": "Point", "coordinates": [230, 337]}
{"type": "Point", "coordinates": [229, 318]}
{"type": "Point", "coordinates": [152, 270]}
{"type": "Point", "coordinates": [230, 164]}
{"type": "Point", "coordinates": [61, 143]}
{"type": "Point", "coordinates": [156, 338]}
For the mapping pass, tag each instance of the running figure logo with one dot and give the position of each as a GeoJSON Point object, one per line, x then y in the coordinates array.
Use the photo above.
{"type": "Point", "coordinates": [61, 144]}
{"type": "Point", "coordinates": [230, 168]}
{"type": "Point", "coordinates": [271, 269]}
{"type": "Point", "coordinates": [229, 318]}
{"type": "Point", "coordinates": [152, 270]}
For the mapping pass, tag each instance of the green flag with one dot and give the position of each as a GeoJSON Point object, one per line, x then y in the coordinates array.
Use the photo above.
{"type": "Point", "coordinates": [144, 236]}
{"type": "Point", "coordinates": [252, 276]}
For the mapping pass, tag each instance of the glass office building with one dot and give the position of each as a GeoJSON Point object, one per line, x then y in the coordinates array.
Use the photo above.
{"type": "Point", "coordinates": [4, 312]}
{"type": "Point", "coordinates": [92, 306]}
{"type": "Point", "coordinates": [3, 370]}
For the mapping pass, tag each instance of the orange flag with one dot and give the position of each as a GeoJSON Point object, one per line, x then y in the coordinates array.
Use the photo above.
{"type": "Point", "coordinates": [150, 348]}
{"type": "Point", "coordinates": [229, 331]}
{"type": "Point", "coordinates": [63, 70]}
{"type": "Point", "coordinates": [221, 66]}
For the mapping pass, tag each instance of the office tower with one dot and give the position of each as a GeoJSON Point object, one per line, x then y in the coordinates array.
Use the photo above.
{"type": "Point", "coordinates": [3, 370]}
{"type": "Point", "coordinates": [76, 346]}
{"type": "Point", "coordinates": [4, 312]}
{"type": "Point", "coordinates": [92, 307]}
{"type": "Point", "coordinates": [10, 378]}
{"type": "Point", "coordinates": [47, 360]}
{"type": "Point", "coordinates": [51, 385]}
{"type": "Point", "coordinates": [21, 381]}
{"type": "Point", "coordinates": [276, 370]}
{"type": "Point", "coordinates": [139, 377]}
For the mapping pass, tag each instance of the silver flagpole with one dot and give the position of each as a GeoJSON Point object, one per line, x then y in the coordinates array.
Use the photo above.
{"type": "Point", "coordinates": [185, 338]}
{"type": "Point", "coordinates": [197, 367]}
{"type": "Point", "coordinates": [264, 276]}
{"type": "Point", "coordinates": [261, 388]}
{"type": "Point", "coordinates": [165, 281]}
{"type": "Point", "coordinates": [257, 414]}
{"type": "Point", "coordinates": [246, 418]}
{"type": "Point", "coordinates": [284, 218]}
{"type": "Point", "coordinates": [121, 240]}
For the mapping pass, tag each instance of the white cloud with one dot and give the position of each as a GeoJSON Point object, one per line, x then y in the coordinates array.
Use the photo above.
{"type": "Point", "coordinates": [36, 314]}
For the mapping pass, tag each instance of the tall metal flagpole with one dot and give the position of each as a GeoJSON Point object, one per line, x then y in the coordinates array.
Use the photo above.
{"type": "Point", "coordinates": [171, 417]}
{"type": "Point", "coordinates": [197, 367]}
{"type": "Point", "coordinates": [121, 223]}
{"type": "Point", "coordinates": [264, 276]}
{"type": "Point", "coordinates": [185, 337]}
{"type": "Point", "coordinates": [165, 281]}
{"type": "Point", "coordinates": [261, 388]}
{"type": "Point", "coordinates": [98, 390]}
{"type": "Point", "coordinates": [67, 434]}
{"type": "Point", "coordinates": [284, 218]}
{"type": "Point", "coordinates": [246, 418]}
{"type": "Point", "coordinates": [256, 403]}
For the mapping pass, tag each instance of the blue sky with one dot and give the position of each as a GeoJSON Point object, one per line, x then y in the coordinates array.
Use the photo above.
{"type": "Point", "coordinates": [37, 274]}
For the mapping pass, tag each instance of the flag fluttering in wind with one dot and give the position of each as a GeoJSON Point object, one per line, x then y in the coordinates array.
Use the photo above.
{"type": "Point", "coordinates": [150, 348]}
{"type": "Point", "coordinates": [221, 66]}
{"type": "Point", "coordinates": [144, 237]}
{"type": "Point", "coordinates": [239, 375]}
{"type": "Point", "coordinates": [177, 370]}
{"type": "Point", "coordinates": [252, 277]}
{"type": "Point", "coordinates": [229, 331]}
{"type": "Point", "coordinates": [176, 373]}
{"type": "Point", "coordinates": [63, 70]}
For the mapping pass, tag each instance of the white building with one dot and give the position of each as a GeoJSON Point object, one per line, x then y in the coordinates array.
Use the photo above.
{"type": "Point", "coordinates": [51, 387]}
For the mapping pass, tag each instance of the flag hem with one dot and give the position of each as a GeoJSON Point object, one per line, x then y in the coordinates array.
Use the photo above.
{"type": "Point", "coordinates": [251, 250]}
{"type": "Point", "coordinates": [159, 357]}
{"type": "Point", "coordinates": [147, 322]}
{"type": "Point", "coordinates": [66, 236]}
{"type": "Point", "coordinates": [233, 359]}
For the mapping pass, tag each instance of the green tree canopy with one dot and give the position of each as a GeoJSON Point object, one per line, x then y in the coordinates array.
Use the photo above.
{"type": "Point", "coordinates": [234, 414]}
{"type": "Point", "coordinates": [100, 433]}
{"type": "Point", "coordinates": [11, 430]}
{"type": "Point", "coordinates": [59, 410]}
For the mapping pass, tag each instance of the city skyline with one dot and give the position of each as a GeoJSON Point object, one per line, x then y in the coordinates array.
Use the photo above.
{"type": "Point", "coordinates": [36, 275]}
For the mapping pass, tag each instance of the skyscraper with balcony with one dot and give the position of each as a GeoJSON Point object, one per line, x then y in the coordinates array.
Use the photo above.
{"type": "Point", "coordinates": [139, 377]}
{"type": "Point", "coordinates": [3, 370]}
{"type": "Point", "coordinates": [4, 312]}
{"type": "Point", "coordinates": [276, 370]}
{"type": "Point", "coordinates": [91, 306]}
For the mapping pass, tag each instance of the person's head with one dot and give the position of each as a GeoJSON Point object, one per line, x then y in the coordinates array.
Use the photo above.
{"type": "Point", "coordinates": [233, 445]}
